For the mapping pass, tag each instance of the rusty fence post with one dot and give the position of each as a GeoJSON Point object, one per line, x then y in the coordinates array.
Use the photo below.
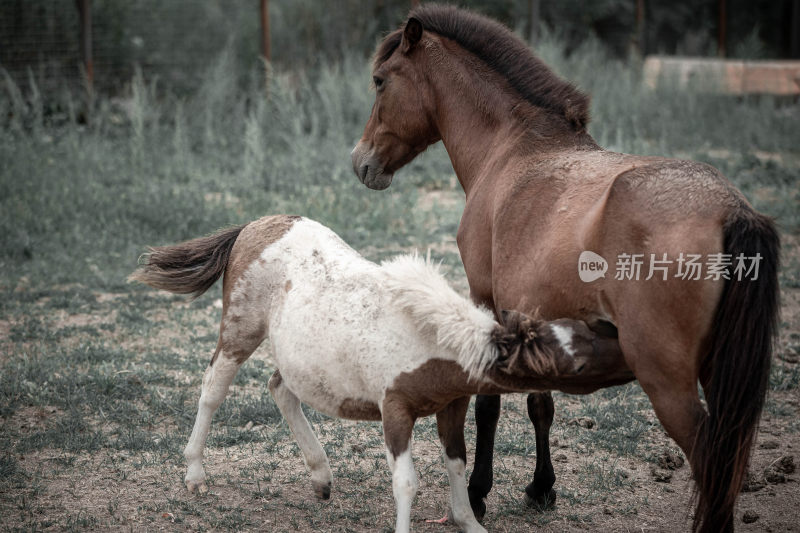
{"type": "Point", "coordinates": [533, 21]}
{"type": "Point", "coordinates": [794, 47]}
{"type": "Point", "coordinates": [85, 12]}
{"type": "Point", "coordinates": [722, 29]}
{"type": "Point", "coordinates": [266, 49]}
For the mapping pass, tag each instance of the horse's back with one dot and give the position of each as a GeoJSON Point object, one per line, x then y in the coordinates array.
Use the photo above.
{"type": "Point", "coordinates": [604, 202]}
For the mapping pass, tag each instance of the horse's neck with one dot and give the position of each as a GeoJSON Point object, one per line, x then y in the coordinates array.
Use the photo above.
{"type": "Point", "coordinates": [484, 125]}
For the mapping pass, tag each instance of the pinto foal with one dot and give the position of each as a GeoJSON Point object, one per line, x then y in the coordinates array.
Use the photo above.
{"type": "Point", "coordinates": [356, 340]}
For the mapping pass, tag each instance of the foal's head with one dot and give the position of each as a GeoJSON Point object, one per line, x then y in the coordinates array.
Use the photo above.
{"type": "Point", "coordinates": [535, 349]}
{"type": "Point", "coordinates": [401, 123]}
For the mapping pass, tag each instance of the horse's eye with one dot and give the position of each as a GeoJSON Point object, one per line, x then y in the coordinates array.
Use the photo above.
{"type": "Point", "coordinates": [378, 81]}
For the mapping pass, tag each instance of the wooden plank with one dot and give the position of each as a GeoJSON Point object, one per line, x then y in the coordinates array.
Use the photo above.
{"type": "Point", "coordinates": [723, 76]}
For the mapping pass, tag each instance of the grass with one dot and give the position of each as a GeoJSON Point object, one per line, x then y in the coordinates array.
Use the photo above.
{"type": "Point", "coordinates": [99, 379]}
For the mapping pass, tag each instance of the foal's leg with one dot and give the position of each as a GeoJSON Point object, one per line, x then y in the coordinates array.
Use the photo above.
{"type": "Point", "coordinates": [216, 380]}
{"type": "Point", "coordinates": [236, 344]}
{"type": "Point", "coordinates": [398, 424]}
{"type": "Point", "coordinates": [315, 457]}
{"type": "Point", "coordinates": [539, 493]}
{"type": "Point", "coordinates": [487, 413]}
{"type": "Point", "coordinates": [450, 422]}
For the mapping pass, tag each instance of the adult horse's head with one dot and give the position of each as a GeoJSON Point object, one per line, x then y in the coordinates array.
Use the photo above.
{"type": "Point", "coordinates": [458, 76]}
{"type": "Point", "coordinates": [400, 125]}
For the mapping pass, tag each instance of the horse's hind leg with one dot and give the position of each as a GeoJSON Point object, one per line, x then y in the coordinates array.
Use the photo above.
{"type": "Point", "coordinates": [539, 493]}
{"type": "Point", "coordinates": [398, 424]}
{"type": "Point", "coordinates": [216, 380]}
{"type": "Point", "coordinates": [315, 457]}
{"type": "Point", "coordinates": [487, 413]}
{"type": "Point", "coordinates": [450, 422]}
{"type": "Point", "coordinates": [235, 345]}
{"type": "Point", "coordinates": [667, 375]}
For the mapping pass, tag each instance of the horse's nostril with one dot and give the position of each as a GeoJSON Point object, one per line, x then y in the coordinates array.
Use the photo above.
{"type": "Point", "coordinates": [357, 166]}
{"type": "Point", "coordinates": [362, 172]}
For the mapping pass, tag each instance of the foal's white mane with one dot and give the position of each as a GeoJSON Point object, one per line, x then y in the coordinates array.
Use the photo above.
{"type": "Point", "coordinates": [417, 286]}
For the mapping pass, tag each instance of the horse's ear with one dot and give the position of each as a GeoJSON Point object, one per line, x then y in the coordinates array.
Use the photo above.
{"type": "Point", "coordinates": [531, 328]}
{"type": "Point", "coordinates": [500, 339]}
{"type": "Point", "coordinates": [412, 33]}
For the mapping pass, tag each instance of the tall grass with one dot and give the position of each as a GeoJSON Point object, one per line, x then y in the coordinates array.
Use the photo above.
{"type": "Point", "coordinates": [79, 199]}
{"type": "Point", "coordinates": [153, 168]}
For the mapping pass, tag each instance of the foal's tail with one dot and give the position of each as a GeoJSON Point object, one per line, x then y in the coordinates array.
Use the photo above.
{"type": "Point", "coordinates": [190, 267]}
{"type": "Point", "coordinates": [736, 372]}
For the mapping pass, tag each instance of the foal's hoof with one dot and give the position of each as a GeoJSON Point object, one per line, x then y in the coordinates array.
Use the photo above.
{"type": "Point", "coordinates": [540, 501]}
{"type": "Point", "coordinates": [199, 487]}
{"type": "Point", "coordinates": [322, 490]}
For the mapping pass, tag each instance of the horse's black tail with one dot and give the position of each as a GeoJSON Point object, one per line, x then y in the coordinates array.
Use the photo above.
{"type": "Point", "coordinates": [190, 267]}
{"type": "Point", "coordinates": [736, 373]}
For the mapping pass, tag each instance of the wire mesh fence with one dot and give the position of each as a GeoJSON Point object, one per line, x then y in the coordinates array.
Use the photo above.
{"type": "Point", "coordinates": [175, 41]}
{"type": "Point", "coordinates": [171, 41]}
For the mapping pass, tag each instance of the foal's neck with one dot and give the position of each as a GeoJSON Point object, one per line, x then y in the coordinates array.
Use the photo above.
{"type": "Point", "coordinates": [485, 125]}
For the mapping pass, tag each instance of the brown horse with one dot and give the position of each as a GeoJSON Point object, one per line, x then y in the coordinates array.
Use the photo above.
{"type": "Point", "coordinates": [694, 295]}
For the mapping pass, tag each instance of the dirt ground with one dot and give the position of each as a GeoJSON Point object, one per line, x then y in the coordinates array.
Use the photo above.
{"type": "Point", "coordinates": [151, 496]}
{"type": "Point", "coordinates": [616, 468]}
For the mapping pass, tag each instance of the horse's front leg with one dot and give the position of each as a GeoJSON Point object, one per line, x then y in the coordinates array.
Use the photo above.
{"type": "Point", "coordinates": [398, 424]}
{"type": "Point", "coordinates": [450, 423]}
{"type": "Point", "coordinates": [539, 493]}
{"type": "Point", "coordinates": [487, 413]}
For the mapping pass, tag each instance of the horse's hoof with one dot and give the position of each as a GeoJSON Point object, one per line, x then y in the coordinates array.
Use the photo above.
{"type": "Point", "coordinates": [322, 490]}
{"type": "Point", "coordinates": [541, 501]}
{"type": "Point", "coordinates": [478, 509]}
{"type": "Point", "coordinates": [199, 487]}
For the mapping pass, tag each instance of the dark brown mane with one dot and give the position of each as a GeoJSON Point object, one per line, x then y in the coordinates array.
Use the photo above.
{"type": "Point", "coordinates": [387, 47]}
{"type": "Point", "coordinates": [505, 53]}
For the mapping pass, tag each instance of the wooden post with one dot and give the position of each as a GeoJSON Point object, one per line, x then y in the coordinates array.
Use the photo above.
{"type": "Point", "coordinates": [533, 21]}
{"type": "Point", "coordinates": [266, 52]}
{"type": "Point", "coordinates": [722, 29]}
{"type": "Point", "coordinates": [795, 30]}
{"type": "Point", "coordinates": [266, 49]}
{"type": "Point", "coordinates": [85, 11]}
{"type": "Point", "coordinates": [640, 44]}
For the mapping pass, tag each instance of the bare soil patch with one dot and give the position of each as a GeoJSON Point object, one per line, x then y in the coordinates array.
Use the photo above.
{"type": "Point", "coordinates": [616, 468]}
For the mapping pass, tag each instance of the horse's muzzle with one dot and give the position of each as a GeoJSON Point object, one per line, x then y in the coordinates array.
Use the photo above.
{"type": "Point", "coordinates": [369, 171]}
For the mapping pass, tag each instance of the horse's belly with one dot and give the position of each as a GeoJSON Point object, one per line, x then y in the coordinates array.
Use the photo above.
{"type": "Point", "coordinates": [328, 391]}
{"type": "Point", "coordinates": [339, 350]}
{"type": "Point", "coordinates": [547, 296]}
